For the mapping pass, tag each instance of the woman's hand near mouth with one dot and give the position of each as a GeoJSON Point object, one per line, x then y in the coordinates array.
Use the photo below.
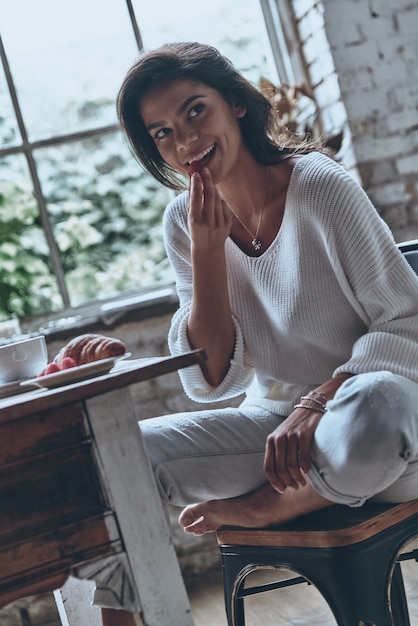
{"type": "Point", "coordinates": [210, 323]}
{"type": "Point", "coordinates": [210, 220]}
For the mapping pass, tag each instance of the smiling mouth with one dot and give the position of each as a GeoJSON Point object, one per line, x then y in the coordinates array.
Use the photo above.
{"type": "Point", "coordinates": [198, 162]}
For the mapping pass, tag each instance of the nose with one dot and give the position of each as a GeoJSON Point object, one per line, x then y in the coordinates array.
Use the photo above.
{"type": "Point", "coordinates": [185, 136]}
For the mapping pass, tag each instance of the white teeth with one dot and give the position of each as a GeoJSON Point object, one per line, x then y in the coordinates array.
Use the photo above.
{"type": "Point", "coordinates": [202, 154]}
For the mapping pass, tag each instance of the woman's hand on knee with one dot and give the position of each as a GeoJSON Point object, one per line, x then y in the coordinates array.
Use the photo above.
{"type": "Point", "coordinates": [287, 456]}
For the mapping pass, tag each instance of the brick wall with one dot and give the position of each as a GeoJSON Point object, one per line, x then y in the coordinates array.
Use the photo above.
{"type": "Point", "coordinates": [361, 57]}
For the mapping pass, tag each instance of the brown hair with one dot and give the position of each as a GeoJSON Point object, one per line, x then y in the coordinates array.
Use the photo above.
{"type": "Point", "coordinates": [202, 63]}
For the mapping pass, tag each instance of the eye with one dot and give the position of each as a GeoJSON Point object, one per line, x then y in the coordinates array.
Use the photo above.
{"type": "Point", "coordinates": [161, 133]}
{"type": "Point", "coordinates": [196, 109]}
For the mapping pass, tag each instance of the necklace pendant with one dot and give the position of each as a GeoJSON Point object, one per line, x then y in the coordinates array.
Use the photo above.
{"type": "Point", "coordinates": [256, 243]}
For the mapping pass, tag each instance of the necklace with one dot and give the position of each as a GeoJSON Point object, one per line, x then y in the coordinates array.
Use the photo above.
{"type": "Point", "coordinates": [255, 241]}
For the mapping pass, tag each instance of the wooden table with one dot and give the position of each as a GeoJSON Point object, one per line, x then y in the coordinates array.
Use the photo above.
{"type": "Point", "coordinates": [76, 484]}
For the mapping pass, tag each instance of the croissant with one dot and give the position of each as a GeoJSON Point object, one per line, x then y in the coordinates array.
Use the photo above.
{"type": "Point", "coordinates": [90, 347]}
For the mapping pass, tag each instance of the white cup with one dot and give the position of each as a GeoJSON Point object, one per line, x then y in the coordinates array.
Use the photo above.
{"type": "Point", "coordinates": [22, 359]}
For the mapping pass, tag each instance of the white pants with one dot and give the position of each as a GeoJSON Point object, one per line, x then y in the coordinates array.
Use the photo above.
{"type": "Point", "coordinates": [366, 446]}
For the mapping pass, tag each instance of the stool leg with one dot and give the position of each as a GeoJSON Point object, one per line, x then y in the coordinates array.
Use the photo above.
{"type": "Point", "coordinates": [398, 599]}
{"type": "Point", "coordinates": [357, 597]}
{"type": "Point", "coordinates": [232, 566]}
{"type": "Point", "coordinates": [353, 581]}
{"type": "Point", "coordinates": [238, 617]}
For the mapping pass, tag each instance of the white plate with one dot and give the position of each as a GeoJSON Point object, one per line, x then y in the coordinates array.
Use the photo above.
{"type": "Point", "coordinates": [121, 365]}
{"type": "Point", "coordinates": [75, 374]}
{"type": "Point", "coordinates": [13, 388]}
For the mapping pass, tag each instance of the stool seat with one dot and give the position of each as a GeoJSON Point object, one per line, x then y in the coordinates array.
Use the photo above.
{"type": "Point", "coordinates": [350, 554]}
{"type": "Point", "coordinates": [334, 526]}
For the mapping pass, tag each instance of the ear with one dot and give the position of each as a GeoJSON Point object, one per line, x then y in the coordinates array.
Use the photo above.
{"type": "Point", "coordinates": [239, 110]}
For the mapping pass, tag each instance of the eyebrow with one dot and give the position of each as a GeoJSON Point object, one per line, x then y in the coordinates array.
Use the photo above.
{"type": "Point", "coordinates": [180, 110]}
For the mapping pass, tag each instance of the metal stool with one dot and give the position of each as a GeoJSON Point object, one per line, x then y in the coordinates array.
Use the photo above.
{"type": "Point", "coordinates": [350, 554]}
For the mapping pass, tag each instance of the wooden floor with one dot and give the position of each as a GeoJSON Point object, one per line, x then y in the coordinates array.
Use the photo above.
{"type": "Point", "coordinates": [300, 605]}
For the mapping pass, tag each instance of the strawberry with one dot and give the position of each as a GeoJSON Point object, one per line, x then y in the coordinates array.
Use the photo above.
{"type": "Point", "coordinates": [52, 368]}
{"type": "Point", "coordinates": [195, 166]}
{"type": "Point", "coordinates": [67, 362]}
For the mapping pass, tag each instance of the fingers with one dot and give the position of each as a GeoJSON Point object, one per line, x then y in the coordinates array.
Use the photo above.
{"type": "Point", "coordinates": [273, 476]}
{"type": "Point", "coordinates": [287, 457]}
{"type": "Point", "coordinates": [305, 454]}
{"type": "Point", "coordinates": [195, 196]}
{"type": "Point", "coordinates": [205, 203]}
{"type": "Point", "coordinates": [201, 198]}
{"type": "Point", "coordinates": [281, 464]}
{"type": "Point", "coordinates": [211, 200]}
{"type": "Point", "coordinates": [290, 466]}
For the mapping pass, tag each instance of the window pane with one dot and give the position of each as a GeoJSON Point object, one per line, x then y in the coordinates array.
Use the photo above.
{"type": "Point", "coordinates": [67, 60]}
{"type": "Point", "coordinates": [27, 286]}
{"type": "Point", "coordinates": [9, 131]}
{"type": "Point", "coordinates": [107, 217]}
{"type": "Point", "coordinates": [236, 29]}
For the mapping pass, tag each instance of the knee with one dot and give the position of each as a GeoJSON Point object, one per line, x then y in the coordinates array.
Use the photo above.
{"type": "Point", "coordinates": [371, 423]}
{"type": "Point", "coordinates": [373, 415]}
{"type": "Point", "coordinates": [378, 400]}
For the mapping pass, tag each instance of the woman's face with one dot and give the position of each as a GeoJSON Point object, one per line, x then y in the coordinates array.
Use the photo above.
{"type": "Point", "coordinates": [190, 121]}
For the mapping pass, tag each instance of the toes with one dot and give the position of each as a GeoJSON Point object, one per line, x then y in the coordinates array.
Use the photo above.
{"type": "Point", "coordinates": [199, 527]}
{"type": "Point", "coordinates": [198, 519]}
{"type": "Point", "coordinates": [189, 515]}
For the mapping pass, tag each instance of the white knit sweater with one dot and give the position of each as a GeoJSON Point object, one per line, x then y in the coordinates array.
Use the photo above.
{"type": "Point", "coordinates": [331, 294]}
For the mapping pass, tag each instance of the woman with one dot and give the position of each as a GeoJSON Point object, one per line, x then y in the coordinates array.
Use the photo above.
{"type": "Point", "coordinates": [291, 282]}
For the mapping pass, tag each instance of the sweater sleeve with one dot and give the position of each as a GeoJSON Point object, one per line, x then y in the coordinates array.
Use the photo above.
{"type": "Point", "coordinates": [241, 372]}
{"type": "Point", "coordinates": [378, 281]}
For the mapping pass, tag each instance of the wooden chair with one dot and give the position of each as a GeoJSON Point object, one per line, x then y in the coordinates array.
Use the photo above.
{"type": "Point", "coordinates": [351, 555]}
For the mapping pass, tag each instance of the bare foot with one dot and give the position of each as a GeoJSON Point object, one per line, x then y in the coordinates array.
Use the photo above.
{"type": "Point", "coordinates": [264, 507]}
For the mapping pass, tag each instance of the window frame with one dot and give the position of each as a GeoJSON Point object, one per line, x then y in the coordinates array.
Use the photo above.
{"type": "Point", "coordinates": [285, 65]}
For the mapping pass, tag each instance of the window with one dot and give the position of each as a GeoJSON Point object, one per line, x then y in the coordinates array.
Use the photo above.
{"type": "Point", "coordinates": [79, 220]}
